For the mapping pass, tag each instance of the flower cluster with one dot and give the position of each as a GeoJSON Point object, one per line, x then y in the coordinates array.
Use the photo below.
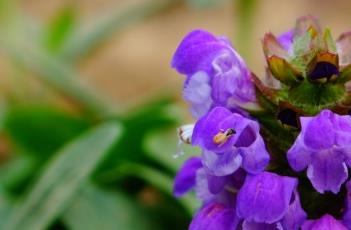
{"type": "Point", "coordinates": [275, 150]}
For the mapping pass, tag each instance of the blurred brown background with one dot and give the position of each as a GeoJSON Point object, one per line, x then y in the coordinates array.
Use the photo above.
{"type": "Point", "coordinates": [135, 63]}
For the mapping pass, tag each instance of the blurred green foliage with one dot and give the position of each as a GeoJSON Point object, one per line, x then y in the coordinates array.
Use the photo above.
{"type": "Point", "coordinates": [93, 167]}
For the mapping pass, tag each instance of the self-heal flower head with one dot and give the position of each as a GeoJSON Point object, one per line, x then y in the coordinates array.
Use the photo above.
{"type": "Point", "coordinates": [326, 222]}
{"type": "Point", "coordinates": [270, 201]}
{"type": "Point", "coordinates": [216, 74]}
{"type": "Point", "coordinates": [229, 141]}
{"type": "Point", "coordinates": [304, 119]}
{"type": "Point", "coordinates": [324, 147]}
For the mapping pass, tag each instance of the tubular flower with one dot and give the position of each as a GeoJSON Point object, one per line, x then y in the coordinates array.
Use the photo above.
{"type": "Point", "coordinates": [268, 200]}
{"type": "Point", "coordinates": [323, 146]}
{"type": "Point", "coordinates": [230, 141]}
{"type": "Point", "coordinates": [215, 74]}
{"type": "Point", "coordinates": [257, 134]}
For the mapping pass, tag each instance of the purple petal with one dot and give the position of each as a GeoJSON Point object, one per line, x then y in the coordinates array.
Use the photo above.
{"type": "Point", "coordinates": [347, 213]}
{"type": "Point", "coordinates": [327, 172]}
{"type": "Point", "coordinates": [196, 52]}
{"type": "Point", "coordinates": [286, 40]}
{"type": "Point", "coordinates": [198, 93]}
{"type": "Point", "coordinates": [265, 197]}
{"type": "Point", "coordinates": [295, 215]}
{"type": "Point", "coordinates": [326, 222]}
{"type": "Point", "coordinates": [328, 130]}
{"type": "Point", "coordinates": [214, 216]}
{"type": "Point", "coordinates": [232, 85]}
{"type": "Point", "coordinates": [202, 188]}
{"type": "Point", "coordinates": [324, 145]}
{"type": "Point", "coordinates": [298, 155]}
{"type": "Point", "coordinates": [216, 183]}
{"type": "Point", "coordinates": [252, 149]}
{"type": "Point", "coordinates": [186, 176]}
{"type": "Point", "coordinates": [219, 119]}
{"type": "Point", "coordinates": [319, 131]}
{"type": "Point", "coordinates": [261, 226]}
{"type": "Point", "coordinates": [221, 164]}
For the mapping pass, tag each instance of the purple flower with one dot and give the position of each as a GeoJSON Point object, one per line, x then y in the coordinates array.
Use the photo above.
{"type": "Point", "coordinates": [229, 141]}
{"type": "Point", "coordinates": [216, 74]}
{"type": "Point", "coordinates": [215, 216]}
{"type": "Point", "coordinates": [186, 176]}
{"type": "Point", "coordinates": [326, 222]}
{"type": "Point", "coordinates": [323, 146]}
{"type": "Point", "coordinates": [347, 213]}
{"type": "Point", "coordinates": [269, 201]}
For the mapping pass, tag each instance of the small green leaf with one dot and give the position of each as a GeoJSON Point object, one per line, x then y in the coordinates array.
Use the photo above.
{"type": "Point", "coordinates": [94, 208]}
{"type": "Point", "coordinates": [283, 71]}
{"type": "Point", "coordinates": [311, 98]}
{"type": "Point", "coordinates": [62, 177]}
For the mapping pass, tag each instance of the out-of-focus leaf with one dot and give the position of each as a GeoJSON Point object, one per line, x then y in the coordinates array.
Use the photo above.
{"type": "Point", "coordinates": [6, 207]}
{"type": "Point", "coordinates": [205, 3]}
{"type": "Point", "coordinates": [161, 145]}
{"type": "Point", "coordinates": [159, 180]}
{"type": "Point", "coordinates": [94, 208]}
{"type": "Point", "coordinates": [62, 177]}
{"type": "Point", "coordinates": [138, 124]}
{"type": "Point", "coordinates": [60, 29]}
{"type": "Point", "coordinates": [17, 173]}
{"type": "Point", "coordinates": [98, 31]}
{"type": "Point", "coordinates": [42, 130]}
{"type": "Point", "coordinates": [52, 71]}
{"type": "Point", "coordinates": [244, 16]}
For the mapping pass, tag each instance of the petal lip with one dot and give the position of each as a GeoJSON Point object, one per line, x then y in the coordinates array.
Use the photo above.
{"type": "Point", "coordinates": [327, 172]}
{"type": "Point", "coordinates": [186, 177]}
{"type": "Point", "coordinates": [265, 197]}
{"type": "Point", "coordinates": [326, 222]}
{"type": "Point", "coordinates": [219, 119]}
{"type": "Point", "coordinates": [221, 164]}
{"type": "Point", "coordinates": [196, 52]}
{"type": "Point", "coordinates": [323, 146]}
{"type": "Point", "coordinates": [214, 216]}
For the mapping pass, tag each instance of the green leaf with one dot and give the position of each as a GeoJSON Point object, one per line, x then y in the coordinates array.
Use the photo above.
{"type": "Point", "coordinates": [312, 98]}
{"type": "Point", "coordinates": [147, 118]}
{"type": "Point", "coordinates": [56, 74]}
{"type": "Point", "coordinates": [60, 29]}
{"type": "Point", "coordinates": [159, 180]}
{"type": "Point", "coordinates": [6, 207]}
{"type": "Point", "coordinates": [205, 3]}
{"type": "Point", "coordinates": [94, 208]}
{"type": "Point", "coordinates": [17, 173]}
{"type": "Point", "coordinates": [62, 177]}
{"type": "Point", "coordinates": [42, 130]}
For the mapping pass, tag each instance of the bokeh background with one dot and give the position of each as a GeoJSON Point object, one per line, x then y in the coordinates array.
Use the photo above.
{"type": "Point", "coordinates": [89, 104]}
